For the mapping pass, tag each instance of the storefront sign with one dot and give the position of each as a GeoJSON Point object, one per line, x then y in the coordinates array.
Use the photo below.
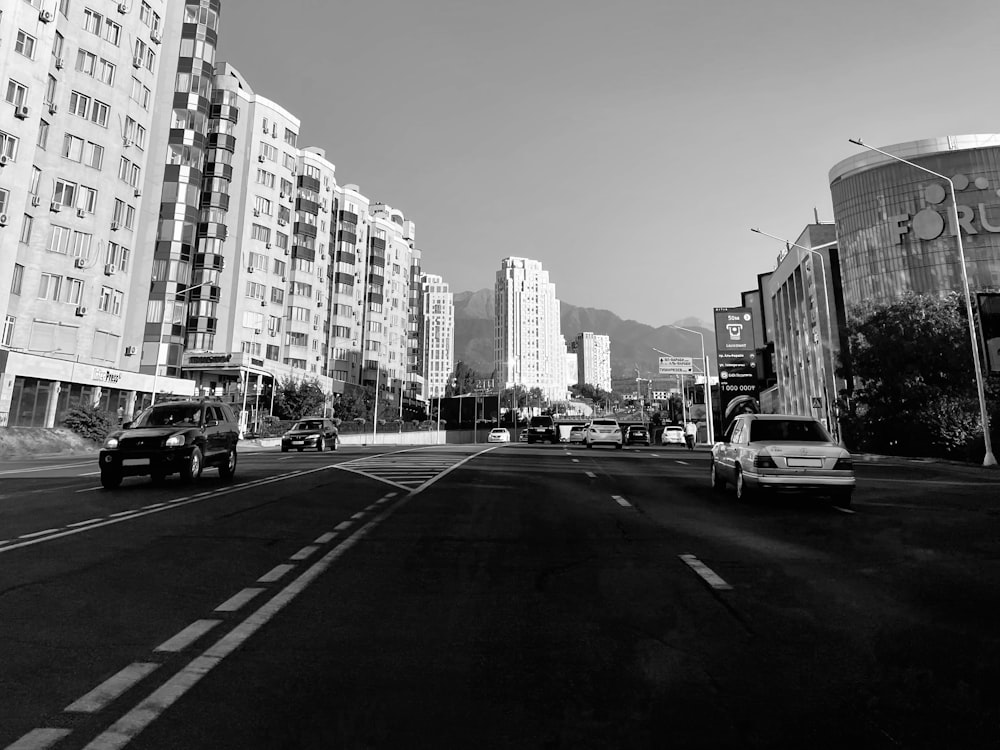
{"type": "Point", "coordinates": [104, 375]}
{"type": "Point", "coordinates": [930, 222]}
{"type": "Point", "coordinates": [209, 359]}
{"type": "Point", "coordinates": [736, 358]}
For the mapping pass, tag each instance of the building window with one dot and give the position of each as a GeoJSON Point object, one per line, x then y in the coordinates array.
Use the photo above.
{"type": "Point", "coordinates": [79, 104]}
{"type": "Point", "coordinates": [86, 62]}
{"type": "Point", "coordinates": [81, 245]}
{"type": "Point", "coordinates": [74, 291]}
{"type": "Point", "coordinates": [8, 330]}
{"type": "Point", "coordinates": [8, 146]}
{"type": "Point", "coordinates": [26, 226]}
{"type": "Point", "coordinates": [93, 155]}
{"type": "Point", "coordinates": [261, 233]}
{"type": "Point", "coordinates": [117, 256]}
{"type": "Point", "coordinates": [64, 193]}
{"type": "Point", "coordinates": [49, 286]}
{"type": "Point", "coordinates": [59, 239]}
{"type": "Point", "coordinates": [17, 279]}
{"type": "Point", "coordinates": [25, 44]}
{"type": "Point", "coordinates": [99, 113]}
{"type": "Point", "coordinates": [43, 134]}
{"type": "Point", "coordinates": [290, 137]}
{"type": "Point", "coordinates": [16, 93]}
{"type": "Point", "coordinates": [72, 147]}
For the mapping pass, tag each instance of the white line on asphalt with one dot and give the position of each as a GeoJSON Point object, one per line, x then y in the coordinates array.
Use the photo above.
{"type": "Point", "coordinates": [305, 552]}
{"type": "Point", "coordinates": [575, 460]}
{"type": "Point", "coordinates": [843, 510]}
{"type": "Point", "coordinates": [39, 739]}
{"type": "Point", "coordinates": [84, 523]}
{"type": "Point", "coordinates": [154, 505]}
{"type": "Point", "coordinates": [121, 513]}
{"type": "Point", "coordinates": [356, 516]}
{"type": "Point", "coordinates": [342, 525]}
{"type": "Point", "coordinates": [123, 731]}
{"type": "Point", "coordinates": [111, 688]}
{"type": "Point", "coordinates": [278, 571]}
{"type": "Point", "coordinates": [685, 463]}
{"type": "Point", "coordinates": [89, 489]}
{"type": "Point", "coordinates": [654, 455]}
{"type": "Point", "coordinates": [709, 575]}
{"type": "Point", "coordinates": [90, 474]}
{"type": "Point", "coordinates": [236, 601]}
{"type": "Point", "coordinates": [591, 474]}
{"type": "Point", "coordinates": [621, 501]}
{"type": "Point", "coordinates": [186, 637]}
{"type": "Point", "coordinates": [327, 537]}
{"type": "Point", "coordinates": [37, 533]}
{"type": "Point", "coordinates": [44, 468]}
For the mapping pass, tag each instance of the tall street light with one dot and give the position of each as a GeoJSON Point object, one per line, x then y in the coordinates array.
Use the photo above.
{"type": "Point", "coordinates": [989, 459]}
{"type": "Point", "coordinates": [708, 382]}
{"type": "Point", "coordinates": [830, 415]}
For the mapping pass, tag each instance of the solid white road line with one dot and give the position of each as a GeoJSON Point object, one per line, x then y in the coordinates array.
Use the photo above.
{"type": "Point", "coordinates": [89, 489]}
{"type": "Point", "coordinates": [39, 739]}
{"type": "Point", "coordinates": [123, 731]}
{"type": "Point", "coordinates": [186, 637]}
{"type": "Point", "coordinates": [324, 538]}
{"type": "Point", "coordinates": [111, 688]}
{"type": "Point", "coordinates": [236, 601]}
{"type": "Point", "coordinates": [621, 501]}
{"type": "Point", "coordinates": [305, 552]}
{"type": "Point", "coordinates": [275, 573]}
{"type": "Point", "coordinates": [709, 575]}
{"type": "Point", "coordinates": [685, 463]}
{"type": "Point", "coordinates": [43, 468]}
{"type": "Point", "coordinates": [37, 533]}
{"type": "Point", "coordinates": [84, 523]}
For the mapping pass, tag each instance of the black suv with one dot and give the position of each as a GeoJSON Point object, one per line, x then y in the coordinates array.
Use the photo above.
{"type": "Point", "coordinates": [542, 429]}
{"type": "Point", "coordinates": [171, 437]}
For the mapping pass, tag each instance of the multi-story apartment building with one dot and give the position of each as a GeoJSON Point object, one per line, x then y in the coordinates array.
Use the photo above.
{"type": "Point", "coordinates": [88, 90]}
{"type": "Point", "coordinates": [803, 298]}
{"type": "Point", "coordinates": [530, 350]}
{"type": "Point", "coordinates": [437, 334]}
{"type": "Point", "coordinates": [593, 360]}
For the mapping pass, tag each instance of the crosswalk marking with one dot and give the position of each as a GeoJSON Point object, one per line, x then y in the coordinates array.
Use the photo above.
{"type": "Point", "coordinates": [410, 469]}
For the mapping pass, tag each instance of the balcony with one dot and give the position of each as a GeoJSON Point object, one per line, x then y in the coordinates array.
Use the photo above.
{"type": "Point", "coordinates": [224, 112]}
{"type": "Point", "coordinates": [298, 251]}
{"type": "Point", "coordinates": [348, 216]}
{"type": "Point", "coordinates": [304, 229]}
{"type": "Point", "coordinates": [223, 141]}
{"type": "Point", "coordinates": [309, 183]}
{"type": "Point", "coordinates": [304, 204]}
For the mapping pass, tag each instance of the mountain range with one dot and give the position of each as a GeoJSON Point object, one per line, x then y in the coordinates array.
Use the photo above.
{"type": "Point", "coordinates": [633, 344]}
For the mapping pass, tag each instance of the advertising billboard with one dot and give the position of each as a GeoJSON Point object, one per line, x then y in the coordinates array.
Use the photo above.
{"type": "Point", "coordinates": [736, 359]}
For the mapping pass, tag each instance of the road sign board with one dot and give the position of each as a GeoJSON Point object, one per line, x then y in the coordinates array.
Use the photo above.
{"type": "Point", "coordinates": [676, 366]}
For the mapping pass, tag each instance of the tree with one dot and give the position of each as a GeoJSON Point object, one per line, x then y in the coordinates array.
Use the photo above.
{"type": "Point", "coordinates": [915, 383]}
{"type": "Point", "coordinates": [295, 399]}
{"type": "Point", "coordinates": [465, 380]}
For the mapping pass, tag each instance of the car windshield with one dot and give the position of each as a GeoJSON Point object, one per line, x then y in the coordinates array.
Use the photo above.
{"type": "Point", "coordinates": [165, 416]}
{"type": "Point", "coordinates": [541, 421]}
{"type": "Point", "coordinates": [604, 423]}
{"type": "Point", "coordinates": [790, 430]}
{"type": "Point", "coordinates": [309, 424]}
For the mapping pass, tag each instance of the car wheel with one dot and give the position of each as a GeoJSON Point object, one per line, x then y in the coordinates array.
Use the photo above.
{"type": "Point", "coordinates": [111, 480]}
{"type": "Point", "coordinates": [192, 469]}
{"type": "Point", "coordinates": [321, 444]}
{"type": "Point", "coordinates": [742, 491]}
{"type": "Point", "coordinates": [718, 483]}
{"type": "Point", "coordinates": [228, 469]}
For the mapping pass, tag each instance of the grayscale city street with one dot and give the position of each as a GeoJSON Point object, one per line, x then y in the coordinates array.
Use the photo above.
{"type": "Point", "coordinates": [502, 596]}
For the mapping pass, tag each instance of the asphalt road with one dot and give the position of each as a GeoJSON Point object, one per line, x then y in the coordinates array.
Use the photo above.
{"type": "Point", "coordinates": [507, 596]}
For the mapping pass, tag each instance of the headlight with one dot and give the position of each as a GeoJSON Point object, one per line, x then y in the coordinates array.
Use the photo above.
{"type": "Point", "coordinates": [111, 442]}
{"type": "Point", "coordinates": [175, 440]}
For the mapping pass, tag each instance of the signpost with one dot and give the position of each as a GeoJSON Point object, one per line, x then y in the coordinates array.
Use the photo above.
{"type": "Point", "coordinates": [676, 366]}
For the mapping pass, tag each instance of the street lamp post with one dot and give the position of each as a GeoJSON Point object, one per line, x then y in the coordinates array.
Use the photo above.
{"type": "Point", "coordinates": [708, 382]}
{"type": "Point", "coordinates": [988, 459]}
{"type": "Point", "coordinates": [830, 415]}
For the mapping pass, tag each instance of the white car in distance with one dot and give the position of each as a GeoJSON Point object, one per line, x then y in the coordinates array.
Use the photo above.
{"type": "Point", "coordinates": [606, 431]}
{"type": "Point", "coordinates": [498, 435]}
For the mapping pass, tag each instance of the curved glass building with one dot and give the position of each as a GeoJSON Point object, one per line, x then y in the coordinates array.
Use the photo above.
{"type": "Point", "coordinates": [894, 225]}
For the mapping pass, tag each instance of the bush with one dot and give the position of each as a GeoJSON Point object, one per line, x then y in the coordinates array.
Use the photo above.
{"type": "Point", "coordinates": [90, 422]}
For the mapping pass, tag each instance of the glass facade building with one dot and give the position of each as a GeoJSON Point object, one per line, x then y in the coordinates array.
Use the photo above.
{"type": "Point", "coordinates": [895, 231]}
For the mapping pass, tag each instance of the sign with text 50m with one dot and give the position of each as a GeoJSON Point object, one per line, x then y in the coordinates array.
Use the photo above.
{"type": "Point", "coordinates": [676, 366]}
{"type": "Point", "coordinates": [736, 357]}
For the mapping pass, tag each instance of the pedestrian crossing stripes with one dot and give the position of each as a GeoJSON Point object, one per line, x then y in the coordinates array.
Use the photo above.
{"type": "Point", "coordinates": [413, 468]}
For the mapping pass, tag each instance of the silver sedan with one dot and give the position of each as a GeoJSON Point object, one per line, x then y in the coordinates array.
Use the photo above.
{"type": "Point", "coordinates": [782, 452]}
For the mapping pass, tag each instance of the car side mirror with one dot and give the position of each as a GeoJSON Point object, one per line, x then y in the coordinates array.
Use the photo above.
{"type": "Point", "coordinates": [126, 425]}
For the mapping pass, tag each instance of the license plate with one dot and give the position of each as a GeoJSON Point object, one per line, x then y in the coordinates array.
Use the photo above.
{"type": "Point", "coordinates": [135, 462]}
{"type": "Point", "coordinates": [297, 442]}
{"type": "Point", "coordinates": [805, 463]}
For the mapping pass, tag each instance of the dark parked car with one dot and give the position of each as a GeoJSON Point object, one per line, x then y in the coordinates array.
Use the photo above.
{"type": "Point", "coordinates": [312, 432]}
{"type": "Point", "coordinates": [542, 429]}
{"type": "Point", "coordinates": [637, 434]}
{"type": "Point", "coordinates": [172, 437]}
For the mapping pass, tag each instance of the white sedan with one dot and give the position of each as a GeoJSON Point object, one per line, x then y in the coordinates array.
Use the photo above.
{"type": "Point", "coordinates": [672, 435]}
{"type": "Point", "coordinates": [782, 452]}
{"type": "Point", "coordinates": [606, 431]}
{"type": "Point", "coordinates": [498, 435]}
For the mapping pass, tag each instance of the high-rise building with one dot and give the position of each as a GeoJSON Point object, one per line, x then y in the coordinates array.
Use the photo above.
{"type": "Point", "coordinates": [437, 334]}
{"type": "Point", "coordinates": [593, 360]}
{"type": "Point", "coordinates": [87, 118]}
{"type": "Point", "coordinates": [530, 350]}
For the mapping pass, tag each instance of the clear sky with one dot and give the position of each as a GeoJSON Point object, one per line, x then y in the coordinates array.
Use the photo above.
{"type": "Point", "coordinates": [628, 146]}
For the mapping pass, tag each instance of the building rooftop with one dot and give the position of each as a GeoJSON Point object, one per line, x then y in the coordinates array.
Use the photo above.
{"type": "Point", "coordinates": [866, 159]}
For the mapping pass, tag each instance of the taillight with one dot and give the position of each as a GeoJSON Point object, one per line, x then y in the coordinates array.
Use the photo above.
{"type": "Point", "coordinates": [844, 464]}
{"type": "Point", "coordinates": [764, 461]}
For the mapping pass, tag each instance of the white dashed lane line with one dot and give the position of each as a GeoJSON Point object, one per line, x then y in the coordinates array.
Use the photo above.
{"type": "Point", "coordinates": [621, 501]}
{"type": "Point", "coordinates": [236, 601]}
{"type": "Point", "coordinates": [591, 474]}
{"type": "Point", "coordinates": [708, 575]}
{"type": "Point", "coordinates": [187, 636]}
{"type": "Point", "coordinates": [111, 688]}
{"type": "Point", "coordinates": [39, 739]}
